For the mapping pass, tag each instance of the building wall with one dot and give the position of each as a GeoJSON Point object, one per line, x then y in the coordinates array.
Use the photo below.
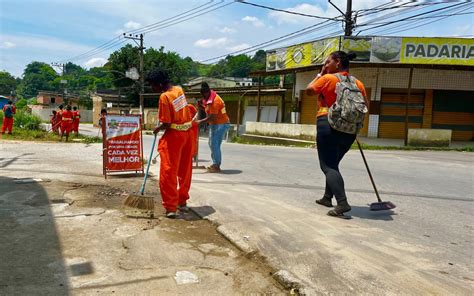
{"type": "Point", "coordinates": [44, 114]}
{"type": "Point", "coordinates": [428, 80]}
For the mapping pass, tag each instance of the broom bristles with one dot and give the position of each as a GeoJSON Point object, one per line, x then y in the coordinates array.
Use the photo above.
{"type": "Point", "coordinates": [141, 202]}
{"type": "Point", "coordinates": [381, 206]}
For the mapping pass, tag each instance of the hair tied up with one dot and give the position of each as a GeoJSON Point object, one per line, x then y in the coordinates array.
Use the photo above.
{"type": "Point", "coordinates": [351, 56]}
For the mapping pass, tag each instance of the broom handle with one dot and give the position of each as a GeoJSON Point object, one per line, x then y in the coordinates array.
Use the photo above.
{"type": "Point", "coordinates": [142, 189]}
{"type": "Point", "coordinates": [368, 171]}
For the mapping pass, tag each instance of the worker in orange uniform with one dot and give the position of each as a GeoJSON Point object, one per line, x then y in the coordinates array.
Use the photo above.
{"type": "Point", "coordinates": [76, 118]}
{"type": "Point", "coordinates": [218, 124]}
{"type": "Point", "coordinates": [176, 144]}
{"type": "Point", "coordinates": [59, 115]}
{"type": "Point", "coordinates": [8, 111]}
{"type": "Point", "coordinates": [55, 122]}
{"type": "Point", "coordinates": [66, 122]}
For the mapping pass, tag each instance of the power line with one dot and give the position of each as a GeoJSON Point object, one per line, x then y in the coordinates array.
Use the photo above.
{"type": "Point", "coordinates": [286, 11]}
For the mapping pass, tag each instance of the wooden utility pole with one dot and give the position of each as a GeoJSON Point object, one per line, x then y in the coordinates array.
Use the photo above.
{"type": "Point", "coordinates": [348, 21]}
{"type": "Point", "coordinates": [141, 49]}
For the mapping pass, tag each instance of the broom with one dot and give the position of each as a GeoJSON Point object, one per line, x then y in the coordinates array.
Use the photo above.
{"type": "Point", "coordinates": [140, 201]}
{"type": "Point", "coordinates": [380, 205]}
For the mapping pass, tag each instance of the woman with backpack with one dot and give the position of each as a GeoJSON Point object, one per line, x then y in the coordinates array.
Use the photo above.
{"type": "Point", "coordinates": [8, 111]}
{"type": "Point", "coordinates": [336, 91]}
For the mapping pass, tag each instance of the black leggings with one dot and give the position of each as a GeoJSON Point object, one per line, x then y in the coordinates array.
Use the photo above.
{"type": "Point", "coordinates": [332, 146]}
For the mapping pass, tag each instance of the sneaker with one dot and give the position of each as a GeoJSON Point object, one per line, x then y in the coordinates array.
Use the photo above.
{"type": "Point", "coordinates": [171, 215]}
{"type": "Point", "coordinates": [183, 208]}
{"type": "Point", "coordinates": [339, 210]}
{"type": "Point", "coordinates": [325, 202]}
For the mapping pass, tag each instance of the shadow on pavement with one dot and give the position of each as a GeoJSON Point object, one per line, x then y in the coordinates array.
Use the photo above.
{"type": "Point", "coordinates": [231, 172]}
{"type": "Point", "coordinates": [366, 213]}
{"type": "Point", "coordinates": [5, 162]}
{"type": "Point", "coordinates": [32, 262]}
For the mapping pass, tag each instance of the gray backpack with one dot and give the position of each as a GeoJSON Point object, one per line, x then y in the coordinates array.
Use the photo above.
{"type": "Point", "coordinates": [348, 112]}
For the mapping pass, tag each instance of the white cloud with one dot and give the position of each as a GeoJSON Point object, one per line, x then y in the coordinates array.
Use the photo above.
{"type": "Point", "coordinates": [238, 47]}
{"type": "Point", "coordinates": [254, 21]}
{"type": "Point", "coordinates": [281, 17]}
{"type": "Point", "coordinates": [131, 25]}
{"type": "Point", "coordinates": [7, 45]}
{"type": "Point", "coordinates": [227, 30]}
{"type": "Point", "coordinates": [95, 62]}
{"type": "Point", "coordinates": [207, 43]}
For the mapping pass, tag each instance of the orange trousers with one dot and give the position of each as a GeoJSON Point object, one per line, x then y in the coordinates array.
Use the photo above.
{"type": "Point", "coordinates": [176, 168]}
{"type": "Point", "coordinates": [7, 125]}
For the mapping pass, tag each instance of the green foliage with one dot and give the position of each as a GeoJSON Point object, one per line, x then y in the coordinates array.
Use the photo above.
{"type": "Point", "coordinates": [21, 104]}
{"type": "Point", "coordinates": [238, 66]}
{"type": "Point", "coordinates": [25, 120]}
{"type": "Point", "coordinates": [7, 83]}
{"type": "Point", "coordinates": [37, 76]}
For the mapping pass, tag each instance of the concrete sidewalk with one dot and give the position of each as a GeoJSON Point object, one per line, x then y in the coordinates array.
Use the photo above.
{"type": "Point", "coordinates": [68, 235]}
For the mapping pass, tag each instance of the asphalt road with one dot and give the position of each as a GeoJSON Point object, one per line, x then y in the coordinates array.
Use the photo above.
{"type": "Point", "coordinates": [425, 246]}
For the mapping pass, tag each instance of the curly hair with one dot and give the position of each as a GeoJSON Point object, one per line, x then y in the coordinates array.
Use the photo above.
{"type": "Point", "coordinates": [158, 76]}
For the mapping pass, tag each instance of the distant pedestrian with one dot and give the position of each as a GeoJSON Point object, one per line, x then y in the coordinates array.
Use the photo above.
{"type": "Point", "coordinates": [103, 114]}
{"type": "Point", "coordinates": [66, 122]}
{"type": "Point", "coordinates": [55, 123]}
{"type": "Point", "coordinates": [8, 111]}
{"type": "Point", "coordinates": [333, 144]}
{"type": "Point", "coordinates": [218, 124]}
{"type": "Point", "coordinates": [176, 144]}
{"type": "Point", "coordinates": [59, 115]}
{"type": "Point", "coordinates": [76, 117]}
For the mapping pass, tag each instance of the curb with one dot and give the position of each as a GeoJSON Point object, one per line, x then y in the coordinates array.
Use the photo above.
{"type": "Point", "coordinates": [283, 277]}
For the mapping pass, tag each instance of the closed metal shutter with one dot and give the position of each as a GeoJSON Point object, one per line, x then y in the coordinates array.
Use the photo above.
{"type": "Point", "coordinates": [392, 112]}
{"type": "Point", "coordinates": [454, 110]}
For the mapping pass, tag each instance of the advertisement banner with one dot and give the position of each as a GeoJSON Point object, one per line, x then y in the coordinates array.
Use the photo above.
{"type": "Point", "coordinates": [298, 56]}
{"type": "Point", "coordinates": [445, 51]}
{"type": "Point", "coordinates": [123, 143]}
{"type": "Point", "coordinates": [321, 49]}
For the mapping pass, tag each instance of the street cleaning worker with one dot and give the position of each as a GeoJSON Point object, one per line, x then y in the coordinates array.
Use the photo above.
{"type": "Point", "coordinates": [54, 122]}
{"type": "Point", "coordinates": [59, 115]}
{"type": "Point", "coordinates": [76, 117]}
{"type": "Point", "coordinates": [332, 144]}
{"type": "Point", "coordinates": [66, 122]}
{"type": "Point", "coordinates": [176, 144]}
{"type": "Point", "coordinates": [218, 124]}
{"type": "Point", "coordinates": [8, 111]}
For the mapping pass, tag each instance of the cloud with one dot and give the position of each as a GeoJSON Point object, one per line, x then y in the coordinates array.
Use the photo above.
{"type": "Point", "coordinates": [207, 43]}
{"type": "Point", "coordinates": [95, 62]}
{"type": "Point", "coordinates": [254, 21]}
{"type": "Point", "coordinates": [281, 17]}
{"type": "Point", "coordinates": [238, 47]}
{"type": "Point", "coordinates": [131, 25]}
{"type": "Point", "coordinates": [227, 30]}
{"type": "Point", "coordinates": [7, 45]}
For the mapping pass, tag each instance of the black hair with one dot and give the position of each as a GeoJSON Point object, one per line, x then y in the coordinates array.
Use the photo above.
{"type": "Point", "coordinates": [158, 76]}
{"type": "Point", "coordinates": [10, 102]}
{"type": "Point", "coordinates": [103, 110]}
{"type": "Point", "coordinates": [54, 112]}
{"type": "Point", "coordinates": [61, 106]}
{"type": "Point", "coordinates": [344, 58]}
{"type": "Point", "coordinates": [68, 107]}
{"type": "Point", "coordinates": [74, 108]}
{"type": "Point", "coordinates": [205, 87]}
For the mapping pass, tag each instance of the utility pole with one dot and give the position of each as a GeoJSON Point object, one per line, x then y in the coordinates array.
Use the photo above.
{"type": "Point", "coordinates": [348, 21]}
{"type": "Point", "coordinates": [141, 48]}
{"type": "Point", "coordinates": [63, 81]}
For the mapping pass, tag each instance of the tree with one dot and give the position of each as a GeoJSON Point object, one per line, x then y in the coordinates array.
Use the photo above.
{"type": "Point", "coordinates": [119, 62]}
{"type": "Point", "coordinates": [7, 83]}
{"type": "Point", "coordinates": [37, 76]}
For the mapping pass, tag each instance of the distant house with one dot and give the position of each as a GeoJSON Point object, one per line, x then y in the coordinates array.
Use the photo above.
{"type": "Point", "coordinates": [225, 82]}
{"type": "Point", "coordinates": [48, 99]}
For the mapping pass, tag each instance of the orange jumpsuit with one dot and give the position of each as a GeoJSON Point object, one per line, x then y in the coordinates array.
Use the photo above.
{"type": "Point", "coordinates": [59, 118]}
{"type": "Point", "coordinates": [75, 122]}
{"type": "Point", "coordinates": [175, 148]}
{"type": "Point", "coordinates": [55, 123]}
{"type": "Point", "coordinates": [194, 129]}
{"type": "Point", "coordinates": [66, 122]}
{"type": "Point", "coordinates": [7, 123]}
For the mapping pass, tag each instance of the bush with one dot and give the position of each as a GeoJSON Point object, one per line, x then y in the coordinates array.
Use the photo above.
{"type": "Point", "coordinates": [27, 121]}
{"type": "Point", "coordinates": [21, 104]}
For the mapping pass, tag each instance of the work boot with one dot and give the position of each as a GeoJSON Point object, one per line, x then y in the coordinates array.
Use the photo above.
{"type": "Point", "coordinates": [325, 201]}
{"type": "Point", "coordinates": [214, 169]}
{"type": "Point", "coordinates": [171, 215]}
{"type": "Point", "coordinates": [340, 209]}
{"type": "Point", "coordinates": [183, 208]}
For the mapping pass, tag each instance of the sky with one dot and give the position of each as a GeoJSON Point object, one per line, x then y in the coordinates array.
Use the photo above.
{"type": "Point", "coordinates": [58, 30]}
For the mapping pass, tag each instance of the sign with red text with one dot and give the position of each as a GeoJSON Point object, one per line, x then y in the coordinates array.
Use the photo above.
{"type": "Point", "coordinates": [123, 143]}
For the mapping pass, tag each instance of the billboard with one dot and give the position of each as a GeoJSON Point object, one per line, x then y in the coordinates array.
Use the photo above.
{"type": "Point", "coordinates": [402, 50]}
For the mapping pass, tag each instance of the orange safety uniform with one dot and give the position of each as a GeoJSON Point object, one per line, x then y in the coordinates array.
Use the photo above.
{"type": "Point", "coordinates": [215, 105]}
{"type": "Point", "coordinates": [7, 123]}
{"type": "Point", "coordinates": [59, 118]}
{"type": "Point", "coordinates": [175, 148]}
{"type": "Point", "coordinates": [75, 121]}
{"type": "Point", "coordinates": [66, 122]}
{"type": "Point", "coordinates": [326, 86]}
{"type": "Point", "coordinates": [55, 123]}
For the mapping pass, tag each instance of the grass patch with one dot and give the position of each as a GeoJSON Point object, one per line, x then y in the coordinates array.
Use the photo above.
{"type": "Point", "coordinates": [20, 134]}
